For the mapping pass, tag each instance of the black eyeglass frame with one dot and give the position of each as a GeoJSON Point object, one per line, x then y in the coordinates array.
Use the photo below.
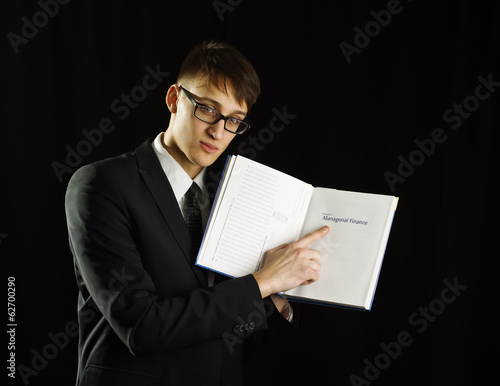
{"type": "Point", "coordinates": [221, 116]}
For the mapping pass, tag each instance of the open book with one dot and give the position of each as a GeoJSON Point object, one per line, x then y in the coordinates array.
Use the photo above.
{"type": "Point", "coordinates": [258, 208]}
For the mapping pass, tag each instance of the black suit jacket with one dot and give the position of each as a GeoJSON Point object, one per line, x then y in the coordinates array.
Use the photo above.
{"type": "Point", "coordinates": [146, 313]}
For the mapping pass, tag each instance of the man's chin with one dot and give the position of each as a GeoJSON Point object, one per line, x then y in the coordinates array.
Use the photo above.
{"type": "Point", "coordinates": [206, 160]}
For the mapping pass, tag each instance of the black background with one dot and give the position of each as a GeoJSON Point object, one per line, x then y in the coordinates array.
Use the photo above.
{"type": "Point", "coordinates": [354, 122]}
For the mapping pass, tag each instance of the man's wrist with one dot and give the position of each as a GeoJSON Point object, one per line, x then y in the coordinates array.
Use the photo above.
{"type": "Point", "coordinates": [264, 284]}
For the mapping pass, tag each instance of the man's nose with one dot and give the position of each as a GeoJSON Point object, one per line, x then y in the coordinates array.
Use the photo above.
{"type": "Point", "coordinates": [216, 130]}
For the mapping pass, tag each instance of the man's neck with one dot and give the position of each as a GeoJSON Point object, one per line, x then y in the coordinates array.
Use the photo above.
{"type": "Point", "coordinates": [191, 169]}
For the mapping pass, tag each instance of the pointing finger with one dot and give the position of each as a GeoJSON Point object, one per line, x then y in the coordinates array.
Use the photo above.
{"type": "Point", "coordinates": [310, 238]}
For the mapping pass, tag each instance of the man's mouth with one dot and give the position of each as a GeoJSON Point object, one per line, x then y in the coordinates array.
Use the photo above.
{"type": "Point", "coordinates": [208, 147]}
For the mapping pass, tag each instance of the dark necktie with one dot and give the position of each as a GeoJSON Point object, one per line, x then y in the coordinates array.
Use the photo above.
{"type": "Point", "coordinates": [193, 215]}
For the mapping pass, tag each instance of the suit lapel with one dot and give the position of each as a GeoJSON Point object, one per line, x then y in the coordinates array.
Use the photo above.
{"type": "Point", "coordinates": [153, 176]}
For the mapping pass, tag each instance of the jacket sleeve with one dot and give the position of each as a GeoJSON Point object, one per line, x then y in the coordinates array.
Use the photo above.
{"type": "Point", "coordinates": [102, 241]}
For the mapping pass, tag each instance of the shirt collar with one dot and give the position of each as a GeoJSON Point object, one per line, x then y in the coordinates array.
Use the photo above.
{"type": "Point", "coordinates": [176, 175]}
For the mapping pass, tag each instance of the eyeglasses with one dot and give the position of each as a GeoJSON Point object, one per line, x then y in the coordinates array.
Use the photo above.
{"type": "Point", "coordinates": [211, 116]}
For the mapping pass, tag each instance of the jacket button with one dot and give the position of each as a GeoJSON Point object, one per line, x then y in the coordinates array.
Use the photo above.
{"type": "Point", "coordinates": [236, 329]}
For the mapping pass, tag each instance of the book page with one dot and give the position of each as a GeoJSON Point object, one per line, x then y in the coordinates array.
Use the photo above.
{"type": "Point", "coordinates": [353, 250]}
{"type": "Point", "coordinates": [257, 209]}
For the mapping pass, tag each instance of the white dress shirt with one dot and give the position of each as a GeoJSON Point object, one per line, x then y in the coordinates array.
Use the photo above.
{"type": "Point", "coordinates": [180, 180]}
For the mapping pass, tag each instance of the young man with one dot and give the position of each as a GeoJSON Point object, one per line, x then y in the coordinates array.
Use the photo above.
{"type": "Point", "coordinates": [148, 315]}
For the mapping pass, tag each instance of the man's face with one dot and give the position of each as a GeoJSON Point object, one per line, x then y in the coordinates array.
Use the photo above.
{"type": "Point", "coordinates": [193, 143]}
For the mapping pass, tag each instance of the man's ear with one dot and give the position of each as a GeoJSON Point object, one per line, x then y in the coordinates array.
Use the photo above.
{"type": "Point", "coordinates": [172, 98]}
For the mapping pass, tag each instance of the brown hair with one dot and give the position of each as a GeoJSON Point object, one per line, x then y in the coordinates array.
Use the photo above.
{"type": "Point", "coordinates": [224, 66]}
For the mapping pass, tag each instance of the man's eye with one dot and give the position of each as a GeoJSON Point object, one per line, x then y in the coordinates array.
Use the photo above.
{"type": "Point", "coordinates": [207, 110]}
{"type": "Point", "coordinates": [234, 120]}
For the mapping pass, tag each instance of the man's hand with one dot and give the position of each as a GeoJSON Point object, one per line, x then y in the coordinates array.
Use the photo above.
{"type": "Point", "coordinates": [290, 265]}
